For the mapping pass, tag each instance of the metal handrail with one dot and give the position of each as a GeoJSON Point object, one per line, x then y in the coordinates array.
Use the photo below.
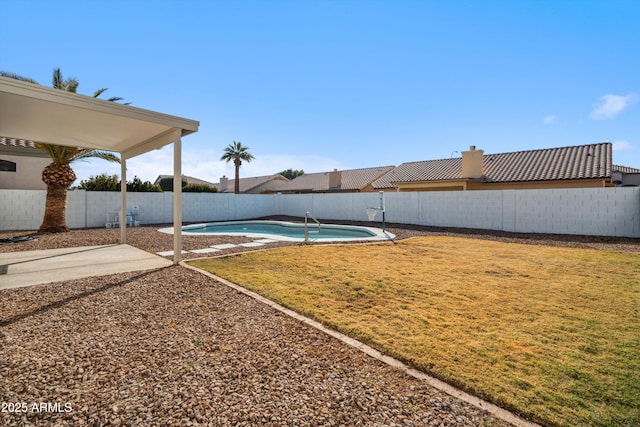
{"type": "Point", "coordinates": [308, 215]}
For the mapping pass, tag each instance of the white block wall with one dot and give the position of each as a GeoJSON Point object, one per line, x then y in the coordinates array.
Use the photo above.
{"type": "Point", "coordinates": [588, 211]}
{"type": "Point", "coordinates": [21, 209]}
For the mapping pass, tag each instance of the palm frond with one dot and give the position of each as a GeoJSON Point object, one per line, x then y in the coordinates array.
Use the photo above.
{"type": "Point", "coordinates": [59, 153]}
{"type": "Point", "coordinates": [99, 92]}
{"type": "Point", "coordinates": [71, 84]}
{"type": "Point", "coordinates": [57, 79]}
{"type": "Point", "coordinates": [17, 77]}
{"type": "Point", "coordinates": [104, 155]}
{"type": "Point", "coordinates": [236, 151]}
{"type": "Point", "coordinates": [68, 85]}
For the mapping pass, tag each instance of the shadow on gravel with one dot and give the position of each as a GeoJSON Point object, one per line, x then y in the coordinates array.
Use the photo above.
{"type": "Point", "coordinates": [72, 298]}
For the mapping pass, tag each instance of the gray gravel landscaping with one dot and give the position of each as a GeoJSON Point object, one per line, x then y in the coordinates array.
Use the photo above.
{"type": "Point", "coordinates": [174, 347]}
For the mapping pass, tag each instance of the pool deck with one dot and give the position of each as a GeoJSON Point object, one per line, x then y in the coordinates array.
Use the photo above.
{"type": "Point", "coordinates": [19, 269]}
{"type": "Point", "coordinates": [286, 231]}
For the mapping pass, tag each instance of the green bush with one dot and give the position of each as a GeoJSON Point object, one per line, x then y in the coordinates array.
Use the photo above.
{"type": "Point", "coordinates": [104, 182]}
{"type": "Point", "coordinates": [138, 186]}
{"type": "Point", "coordinates": [167, 183]}
{"type": "Point", "coordinates": [199, 188]}
{"type": "Point", "coordinates": [101, 182]}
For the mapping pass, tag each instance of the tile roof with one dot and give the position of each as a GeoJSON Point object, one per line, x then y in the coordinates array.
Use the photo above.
{"type": "Point", "coordinates": [576, 162]}
{"type": "Point", "coordinates": [14, 142]}
{"type": "Point", "coordinates": [625, 169]}
{"type": "Point", "coordinates": [190, 180]}
{"type": "Point", "coordinates": [352, 180]}
{"type": "Point", "coordinates": [248, 184]}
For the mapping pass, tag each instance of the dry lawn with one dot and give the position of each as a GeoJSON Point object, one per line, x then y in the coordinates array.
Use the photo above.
{"type": "Point", "coordinates": [551, 333]}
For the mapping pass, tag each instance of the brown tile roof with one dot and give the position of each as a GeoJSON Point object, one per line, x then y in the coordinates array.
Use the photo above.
{"type": "Point", "coordinates": [248, 184]}
{"type": "Point", "coordinates": [352, 180]}
{"type": "Point", "coordinates": [576, 162]}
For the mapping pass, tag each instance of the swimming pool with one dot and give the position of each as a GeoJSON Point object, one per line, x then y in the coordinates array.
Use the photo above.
{"type": "Point", "coordinates": [286, 231]}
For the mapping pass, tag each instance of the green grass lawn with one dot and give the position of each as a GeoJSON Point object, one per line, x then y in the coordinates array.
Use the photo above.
{"type": "Point", "coordinates": [550, 333]}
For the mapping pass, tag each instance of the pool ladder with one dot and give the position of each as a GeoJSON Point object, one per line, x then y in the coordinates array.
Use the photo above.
{"type": "Point", "coordinates": [308, 215]}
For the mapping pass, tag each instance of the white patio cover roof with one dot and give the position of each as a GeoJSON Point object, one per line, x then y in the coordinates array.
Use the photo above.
{"type": "Point", "coordinates": [37, 113]}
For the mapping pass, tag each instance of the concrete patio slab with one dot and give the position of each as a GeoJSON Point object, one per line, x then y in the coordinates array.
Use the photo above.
{"type": "Point", "coordinates": [53, 265]}
{"type": "Point", "coordinates": [251, 244]}
{"type": "Point", "coordinates": [224, 246]}
{"type": "Point", "coordinates": [170, 253]}
{"type": "Point", "coordinates": [205, 250]}
{"type": "Point", "coordinates": [266, 241]}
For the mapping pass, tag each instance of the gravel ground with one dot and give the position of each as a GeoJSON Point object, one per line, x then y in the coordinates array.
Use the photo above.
{"type": "Point", "coordinates": [173, 347]}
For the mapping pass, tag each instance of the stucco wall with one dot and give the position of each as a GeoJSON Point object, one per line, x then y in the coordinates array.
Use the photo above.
{"type": "Point", "coordinates": [589, 211]}
{"type": "Point", "coordinates": [28, 174]}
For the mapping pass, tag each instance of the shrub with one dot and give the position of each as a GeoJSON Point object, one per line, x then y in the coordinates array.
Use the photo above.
{"type": "Point", "coordinates": [167, 183]}
{"type": "Point", "coordinates": [138, 186]}
{"type": "Point", "coordinates": [199, 188]}
{"type": "Point", "coordinates": [104, 182]}
{"type": "Point", "coordinates": [101, 182]}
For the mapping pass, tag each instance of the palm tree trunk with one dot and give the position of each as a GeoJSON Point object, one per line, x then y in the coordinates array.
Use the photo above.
{"type": "Point", "coordinates": [58, 177]}
{"type": "Point", "coordinates": [237, 162]}
{"type": "Point", "coordinates": [55, 209]}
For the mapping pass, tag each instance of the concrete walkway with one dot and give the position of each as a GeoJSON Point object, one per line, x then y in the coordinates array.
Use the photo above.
{"type": "Point", "coordinates": [18, 269]}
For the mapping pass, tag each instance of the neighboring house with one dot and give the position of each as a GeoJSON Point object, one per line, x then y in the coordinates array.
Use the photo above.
{"type": "Point", "coordinates": [252, 185]}
{"type": "Point", "coordinates": [350, 181]}
{"type": "Point", "coordinates": [564, 167]}
{"type": "Point", "coordinates": [21, 165]}
{"type": "Point", "coordinates": [189, 179]}
{"type": "Point", "coordinates": [624, 176]}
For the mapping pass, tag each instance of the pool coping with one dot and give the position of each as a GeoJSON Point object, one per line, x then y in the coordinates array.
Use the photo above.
{"type": "Point", "coordinates": [379, 234]}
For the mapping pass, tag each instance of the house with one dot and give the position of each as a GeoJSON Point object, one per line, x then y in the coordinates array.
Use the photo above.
{"type": "Point", "coordinates": [350, 181]}
{"type": "Point", "coordinates": [565, 167]}
{"type": "Point", "coordinates": [21, 165]}
{"type": "Point", "coordinates": [252, 185]}
{"type": "Point", "coordinates": [624, 176]}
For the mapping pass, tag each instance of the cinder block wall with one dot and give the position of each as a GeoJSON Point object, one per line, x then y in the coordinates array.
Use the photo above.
{"type": "Point", "coordinates": [21, 209]}
{"type": "Point", "coordinates": [589, 211]}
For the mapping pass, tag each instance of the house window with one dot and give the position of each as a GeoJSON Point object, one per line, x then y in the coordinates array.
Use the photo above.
{"type": "Point", "coordinates": [7, 166]}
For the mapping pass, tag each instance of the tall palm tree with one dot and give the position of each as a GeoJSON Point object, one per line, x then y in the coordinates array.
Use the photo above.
{"type": "Point", "coordinates": [237, 152]}
{"type": "Point", "coordinates": [58, 175]}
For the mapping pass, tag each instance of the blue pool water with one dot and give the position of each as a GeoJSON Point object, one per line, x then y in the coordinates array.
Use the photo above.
{"type": "Point", "coordinates": [288, 231]}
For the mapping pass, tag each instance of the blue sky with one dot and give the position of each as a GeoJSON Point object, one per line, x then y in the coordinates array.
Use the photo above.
{"type": "Point", "coordinates": [318, 85]}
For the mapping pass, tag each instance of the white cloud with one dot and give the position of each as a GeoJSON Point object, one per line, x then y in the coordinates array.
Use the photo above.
{"type": "Point", "coordinates": [621, 145]}
{"type": "Point", "coordinates": [609, 106]}
{"type": "Point", "coordinates": [551, 118]}
{"type": "Point", "coordinates": [203, 164]}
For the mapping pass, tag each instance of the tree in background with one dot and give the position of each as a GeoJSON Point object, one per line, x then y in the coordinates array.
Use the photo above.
{"type": "Point", "coordinates": [137, 185]}
{"type": "Point", "coordinates": [58, 175]}
{"type": "Point", "coordinates": [106, 182]}
{"type": "Point", "coordinates": [291, 173]}
{"type": "Point", "coordinates": [101, 182]}
{"type": "Point", "coordinates": [237, 152]}
{"type": "Point", "coordinates": [166, 183]}
{"type": "Point", "coordinates": [199, 188]}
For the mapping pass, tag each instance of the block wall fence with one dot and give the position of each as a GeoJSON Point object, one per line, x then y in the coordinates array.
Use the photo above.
{"type": "Point", "coordinates": [586, 211]}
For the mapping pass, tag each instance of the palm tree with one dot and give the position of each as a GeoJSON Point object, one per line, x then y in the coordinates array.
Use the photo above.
{"type": "Point", "coordinates": [58, 175]}
{"type": "Point", "coordinates": [237, 152]}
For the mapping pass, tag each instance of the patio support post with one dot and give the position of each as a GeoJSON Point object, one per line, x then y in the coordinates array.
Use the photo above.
{"type": "Point", "coordinates": [177, 197]}
{"type": "Point", "coordinates": [123, 200]}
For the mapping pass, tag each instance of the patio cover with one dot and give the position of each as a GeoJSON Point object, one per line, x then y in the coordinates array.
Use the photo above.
{"type": "Point", "coordinates": [37, 113]}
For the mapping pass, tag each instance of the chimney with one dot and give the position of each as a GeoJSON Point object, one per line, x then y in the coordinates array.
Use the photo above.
{"type": "Point", "coordinates": [224, 183]}
{"type": "Point", "coordinates": [472, 163]}
{"type": "Point", "coordinates": [335, 179]}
